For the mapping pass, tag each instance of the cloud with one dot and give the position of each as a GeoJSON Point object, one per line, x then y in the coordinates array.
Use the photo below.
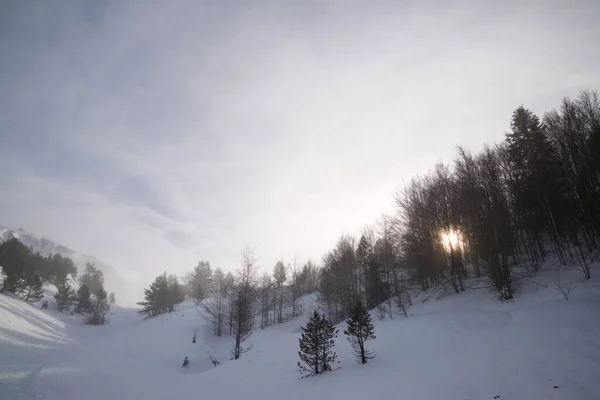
{"type": "Point", "coordinates": [156, 134]}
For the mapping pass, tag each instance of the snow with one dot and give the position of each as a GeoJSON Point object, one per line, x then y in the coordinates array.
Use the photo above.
{"type": "Point", "coordinates": [465, 347]}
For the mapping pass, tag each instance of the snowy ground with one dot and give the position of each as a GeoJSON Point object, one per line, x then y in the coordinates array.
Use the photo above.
{"type": "Point", "coordinates": [463, 347]}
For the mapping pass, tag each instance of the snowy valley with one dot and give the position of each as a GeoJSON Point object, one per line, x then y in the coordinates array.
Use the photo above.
{"type": "Point", "coordinates": [465, 347]}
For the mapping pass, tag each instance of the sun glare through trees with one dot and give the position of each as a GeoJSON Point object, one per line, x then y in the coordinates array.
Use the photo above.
{"type": "Point", "coordinates": [450, 239]}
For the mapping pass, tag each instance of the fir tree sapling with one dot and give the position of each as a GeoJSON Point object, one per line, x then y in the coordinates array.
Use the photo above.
{"type": "Point", "coordinates": [316, 346]}
{"type": "Point", "coordinates": [359, 330]}
{"type": "Point", "coordinates": [33, 287]}
{"type": "Point", "coordinates": [83, 299]}
{"type": "Point", "coordinates": [64, 297]}
{"type": "Point", "coordinates": [99, 306]}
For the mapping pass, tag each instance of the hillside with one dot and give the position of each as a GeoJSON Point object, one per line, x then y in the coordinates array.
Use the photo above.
{"type": "Point", "coordinates": [114, 281]}
{"type": "Point", "coordinates": [467, 346]}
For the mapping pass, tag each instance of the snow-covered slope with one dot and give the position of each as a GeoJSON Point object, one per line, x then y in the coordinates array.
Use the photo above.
{"type": "Point", "coordinates": [113, 280]}
{"type": "Point", "coordinates": [466, 346]}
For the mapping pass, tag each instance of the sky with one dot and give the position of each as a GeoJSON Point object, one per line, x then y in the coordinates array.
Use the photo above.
{"type": "Point", "coordinates": [154, 134]}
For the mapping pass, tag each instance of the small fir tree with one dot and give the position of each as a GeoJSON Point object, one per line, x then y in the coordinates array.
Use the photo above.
{"type": "Point", "coordinates": [93, 278]}
{"type": "Point", "coordinates": [64, 297]}
{"type": "Point", "coordinates": [162, 295]}
{"type": "Point", "coordinates": [316, 346]}
{"type": "Point", "coordinates": [83, 299]}
{"type": "Point", "coordinates": [33, 287]}
{"type": "Point", "coordinates": [111, 297]}
{"type": "Point", "coordinates": [199, 281]}
{"type": "Point", "coordinates": [359, 330]}
{"type": "Point", "coordinates": [99, 307]}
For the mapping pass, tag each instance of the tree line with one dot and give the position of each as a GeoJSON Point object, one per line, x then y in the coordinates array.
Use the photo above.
{"type": "Point", "coordinates": [234, 302]}
{"type": "Point", "coordinates": [490, 217]}
{"type": "Point", "coordinates": [514, 204]}
{"type": "Point", "coordinates": [25, 273]}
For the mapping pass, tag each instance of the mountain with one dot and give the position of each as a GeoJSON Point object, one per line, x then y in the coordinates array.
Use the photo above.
{"type": "Point", "coordinates": [112, 279]}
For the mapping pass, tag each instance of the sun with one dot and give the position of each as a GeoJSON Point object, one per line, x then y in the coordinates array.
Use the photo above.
{"type": "Point", "coordinates": [450, 239]}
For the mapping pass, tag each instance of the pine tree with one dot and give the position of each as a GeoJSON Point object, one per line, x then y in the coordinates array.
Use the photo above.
{"type": "Point", "coordinates": [176, 291]}
{"type": "Point", "coordinates": [33, 287]}
{"type": "Point", "coordinates": [12, 262]}
{"type": "Point", "coordinates": [316, 346]}
{"type": "Point", "coordinates": [99, 306]}
{"type": "Point", "coordinates": [111, 297]}
{"type": "Point", "coordinates": [83, 299]}
{"type": "Point", "coordinates": [64, 297]}
{"type": "Point", "coordinates": [162, 296]}
{"type": "Point", "coordinates": [200, 281]}
{"type": "Point", "coordinates": [93, 278]}
{"type": "Point", "coordinates": [359, 330]}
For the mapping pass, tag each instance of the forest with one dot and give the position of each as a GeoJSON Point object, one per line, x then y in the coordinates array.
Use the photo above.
{"type": "Point", "coordinates": [25, 273]}
{"type": "Point", "coordinates": [486, 220]}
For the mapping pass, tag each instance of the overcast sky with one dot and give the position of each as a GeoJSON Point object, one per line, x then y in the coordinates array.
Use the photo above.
{"type": "Point", "coordinates": [153, 134]}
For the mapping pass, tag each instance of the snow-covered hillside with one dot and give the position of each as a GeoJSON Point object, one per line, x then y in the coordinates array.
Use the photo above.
{"type": "Point", "coordinates": [114, 281]}
{"type": "Point", "coordinates": [462, 347]}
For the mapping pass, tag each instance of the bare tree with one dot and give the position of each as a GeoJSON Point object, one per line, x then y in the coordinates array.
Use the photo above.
{"type": "Point", "coordinates": [280, 276]}
{"type": "Point", "coordinates": [564, 288]}
{"type": "Point", "coordinates": [265, 289]}
{"type": "Point", "coordinates": [244, 299]}
{"type": "Point", "coordinates": [295, 287]}
{"type": "Point", "coordinates": [215, 307]}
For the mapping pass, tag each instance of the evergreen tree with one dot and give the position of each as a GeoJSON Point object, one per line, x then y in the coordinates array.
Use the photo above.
{"type": "Point", "coordinates": [162, 296]}
{"type": "Point", "coordinates": [316, 346]}
{"type": "Point", "coordinates": [111, 298]}
{"type": "Point", "coordinates": [64, 297]}
{"type": "Point", "coordinates": [12, 260]}
{"type": "Point", "coordinates": [99, 306]}
{"type": "Point", "coordinates": [32, 287]}
{"type": "Point", "coordinates": [359, 330]}
{"type": "Point", "coordinates": [83, 299]}
{"type": "Point", "coordinates": [56, 268]}
{"type": "Point", "coordinates": [93, 278]}
{"type": "Point", "coordinates": [200, 281]}
{"type": "Point", "coordinates": [177, 292]}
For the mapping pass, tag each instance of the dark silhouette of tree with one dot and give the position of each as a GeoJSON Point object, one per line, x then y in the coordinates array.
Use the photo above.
{"type": "Point", "coordinates": [162, 295]}
{"type": "Point", "coordinates": [359, 330]}
{"type": "Point", "coordinates": [65, 297]}
{"type": "Point", "coordinates": [244, 299]}
{"type": "Point", "coordinates": [32, 287]}
{"type": "Point", "coordinates": [83, 299]}
{"type": "Point", "coordinates": [316, 346]}
{"type": "Point", "coordinates": [99, 307]}
{"type": "Point", "coordinates": [93, 278]}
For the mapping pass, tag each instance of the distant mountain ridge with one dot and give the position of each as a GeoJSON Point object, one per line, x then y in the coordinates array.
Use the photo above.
{"type": "Point", "coordinates": [113, 280]}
